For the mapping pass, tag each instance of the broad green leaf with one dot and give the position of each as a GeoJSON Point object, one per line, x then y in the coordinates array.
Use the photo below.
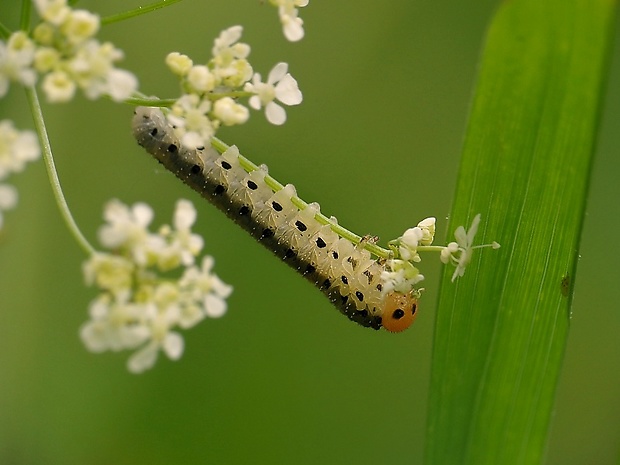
{"type": "Point", "coordinates": [502, 328]}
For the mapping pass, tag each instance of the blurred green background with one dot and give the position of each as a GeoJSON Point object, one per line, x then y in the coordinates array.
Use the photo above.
{"type": "Point", "coordinates": [282, 378]}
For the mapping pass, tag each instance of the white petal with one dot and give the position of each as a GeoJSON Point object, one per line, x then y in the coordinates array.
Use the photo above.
{"type": "Point", "coordinates": [287, 91]}
{"type": "Point", "coordinates": [215, 307]}
{"type": "Point", "coordinates": [184, 214]}
{"type": "Point", "coordinates": [143, 359]}
{"type": "Point", "coordinates": [277, 73]}
{"type": "Point", "coordinates": [173, 346]}
{"type": "Point", "coordinates": [8, 197]}
{"type": "Point", "coordinates": [275, 113]}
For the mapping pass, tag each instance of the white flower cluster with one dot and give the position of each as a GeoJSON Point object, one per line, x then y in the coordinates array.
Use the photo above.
{"type": "Point", "coordinates": [403, 274]}
{"type": "Point", "coordinates": [63, 51]}
{"type": "Point", "coordinates": [210, 91]}
{"type": "Point", "coordinates": [140, 305]}
{"type": "Point", "coordinates": [292, 24]}
{"type": "Point", "coordinates": [16, 149]}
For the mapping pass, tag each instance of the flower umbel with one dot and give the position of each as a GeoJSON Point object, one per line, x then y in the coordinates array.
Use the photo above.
{"type": "Point", "coordinates": [211, 91]}
{"type": "Point", "coordinates": [16, 149]}
{"type": "Point", "coordinates": [141, 305]}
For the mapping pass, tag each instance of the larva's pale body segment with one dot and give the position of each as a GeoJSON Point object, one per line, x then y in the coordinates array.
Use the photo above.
{"type": "Point", "coordinates": [347, 274]}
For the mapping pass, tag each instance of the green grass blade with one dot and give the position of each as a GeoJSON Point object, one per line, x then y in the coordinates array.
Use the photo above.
{"type": "Point", "coordinates": [501, 330]}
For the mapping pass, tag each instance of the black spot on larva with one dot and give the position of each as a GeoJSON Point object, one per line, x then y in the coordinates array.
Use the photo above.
{"type": "Point", "coordinates": [266, 233]}
{"type": "Point", "coordinates": [201, 148]}
{"type": "Point", "coordinates": [363, 313]}
{"type": "Point", "coordinates": [344, 279]}
{"type": "Point", "coordinates": [398, 313]}
{"type": "Point", "coordinates": [414, 308]}
{"type": "Point", "coordinates": [368, 274]}
{"type": "Point", "coordinates": [320, 243]}
{"type": "Point", "coordinates": [290, 253]}
{"type": "Point", "coordinates": [172, 148]}
{"type": "Point", "coordinates": [219, 190]}
{"type": "Point", "coordinates": [252, 185]}
{"type": "Point", "coordinates": [310, 269]}
{"type": "Point", "coordinates": [379, 287]}
{"type": "Point", "coordinates": [195, 169]}
{"type": "Point", "coordinates": [326, 284]}
{"type": "Point", "coordinates": [302, 227]}
{"type": "Point", "coordinates": [344, 299]}
{"type": "Point", "coordinates": [244, 210]}
{"type": "Point", "coordinates": [226, 165]}
{"type": "Point", "coordinates": [335, 255]}
{"type": "Point", "coordinates": [276, 206]}
{"type": "Point", "coordinates": [154, 132]}
{"type": "Point", "coordinates": [359, 295]}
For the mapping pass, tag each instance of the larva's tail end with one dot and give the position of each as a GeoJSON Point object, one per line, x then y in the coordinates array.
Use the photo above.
{"type": "Point", "coordinates": [400, 311]}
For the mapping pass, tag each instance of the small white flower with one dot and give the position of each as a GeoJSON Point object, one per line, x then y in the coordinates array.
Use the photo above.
{"type": "Point", "coordinates": [229, 112]}
{"type": "Point", "coordinates": [178, 63]}
{"type": "Point", "coordinates": [182, 245]}
{"type": "Point", "coordinates": [53, 11]}
{"type": "Point", "coordinates": [16, 148]}
{"type": "Point", "coordinates": [461, 251]}
{"type": "Point", "coordinates": [127, 229]}
{"type": "Point", "coordinates": [190, 117]}
{"type": "Point", "coordinates": [402, 276]}
{"type": "Point", "coordinates": [79, 26]}
{"type": "Point", "coordinates": [229, 64]}
{"type": "Point", "coordinates": [207, 288]}
{"type": "Point", "coordinates": [289, 17]}
{"type": "Point", "coordinates": [58, 87]}
{"type": "Point", "coordinates": [280, 85]}
{"type": "Point", "coordinates": [16, 58]}
{"type": "Point", "coordinates": [8, 200]}
{"type": "Point", "coordinates": [200, 79]}
{"type": "Point", "coordinates": [110, 272]}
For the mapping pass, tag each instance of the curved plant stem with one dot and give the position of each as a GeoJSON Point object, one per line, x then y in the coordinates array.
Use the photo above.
{"type": "Point", "coordinates": [137, 12]}
{"type": "Point", "coordinates": [48, 158]}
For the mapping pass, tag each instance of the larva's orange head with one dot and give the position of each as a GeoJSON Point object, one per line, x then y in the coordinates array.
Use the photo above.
{"type": "Point", "coordinates": [399, 311]}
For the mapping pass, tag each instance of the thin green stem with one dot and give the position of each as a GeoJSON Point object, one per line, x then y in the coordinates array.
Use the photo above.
{"type": "Point", "coordinates": [48, 158]}
{"type": "Point", "coordinates": [150, 102]}
{"type": "Point", "coordinates": [24, 22]}
{"type": "Point", "coordinates": [274, 184]}
{"type": "Point", "coordinates": [141, 10]}
{"type": "Point", "coordinates": [5, 32]}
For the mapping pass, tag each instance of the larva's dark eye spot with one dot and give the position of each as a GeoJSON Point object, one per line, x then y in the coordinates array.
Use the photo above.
{"type": "Point", "coordinates": [320, 243]}
{"type": "Point", "coordinates": [226, 165]}
{"type": "Point", "coordinates": [302, 227]}
{"type": "Point", "coordinates": [154, 132]}
{"type": "Point", "coordinates": [276, 206]}
{"type": "Point", "coordinates": [252, 185]}
{"type": "Point", "coordinates": [219, 190]}
{"type": "Point", "coordinates": [399, 311]}
{"type": "Point", "coordinates": [196, 169]}
{"type": "Point", "coordinates": [172, 148]}
{"type": "Point", "coordinates": [344, 279]}
{"type": "Point", "coordinates": [359, 295]}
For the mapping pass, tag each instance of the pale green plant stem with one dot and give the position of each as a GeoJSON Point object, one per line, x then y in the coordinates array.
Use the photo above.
{"type": "Point", "coordinates": [137, 11]}
{"type": "Point", "coordinates": [48, 158]}
{"type": "Point", "coordinates": [24, 22]}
